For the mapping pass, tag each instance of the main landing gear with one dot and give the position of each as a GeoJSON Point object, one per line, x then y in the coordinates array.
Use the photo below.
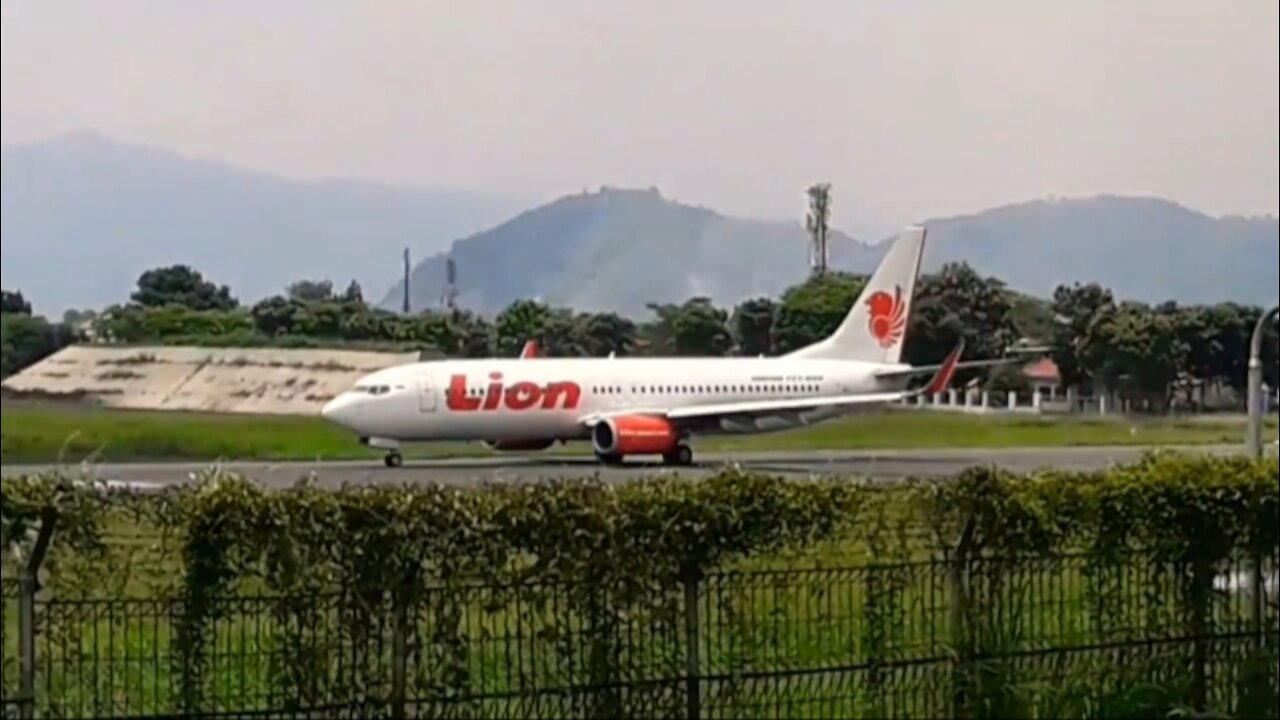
{"type": "Point", "coordinates": [680, 455]}
{"type": "Point", "coordinates": [393, 459]}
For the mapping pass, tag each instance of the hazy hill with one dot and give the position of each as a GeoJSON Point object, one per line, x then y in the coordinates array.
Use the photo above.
{"type": "Point", "coordinates": [619, 249]}
{"type": "Point", "coordinates": [83, 216]}
{"type": "Point", "coordinates": [1143, 248]}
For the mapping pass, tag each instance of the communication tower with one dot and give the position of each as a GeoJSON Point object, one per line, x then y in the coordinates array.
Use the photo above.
{"type": "Point", "coordinates": [449, 298]}
{"type": "Point", "coordinates": [817, 223]}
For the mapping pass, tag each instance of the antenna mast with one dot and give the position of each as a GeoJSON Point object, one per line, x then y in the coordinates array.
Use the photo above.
{"type": "Point", "coordinates": [817, 223]}
{"type": "Point", "coordinates": [449, 297]}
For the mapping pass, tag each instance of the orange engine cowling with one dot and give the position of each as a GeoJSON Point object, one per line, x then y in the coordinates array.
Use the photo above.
{"type": "Point", "coordinates": [518, 445]}
{"type": "Point", "coordinates": [634, 435]}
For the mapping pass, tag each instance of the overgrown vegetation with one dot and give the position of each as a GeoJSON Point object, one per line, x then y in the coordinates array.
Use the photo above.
{"type": "Point", "coordinates": [598, 575]}
{"type": "Point", "coordinates": [1156, 357]}
{"type": "Point", "coordinates": [32, 433]}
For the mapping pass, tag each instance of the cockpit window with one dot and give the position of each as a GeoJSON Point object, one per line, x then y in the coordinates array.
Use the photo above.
{"type": "Point", "coordinates": [372, 389]}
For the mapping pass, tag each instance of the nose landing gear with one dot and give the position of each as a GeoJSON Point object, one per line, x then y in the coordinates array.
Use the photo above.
{"type": "Point", "coordinates": [393, 459]}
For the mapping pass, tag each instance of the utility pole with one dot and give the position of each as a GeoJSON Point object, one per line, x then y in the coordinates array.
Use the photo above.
{"type": "Point", "coordinates": [405, 307]}
{"type": "Point", "coordinates": [817, 224]}
{"type": "Point", "coordinates": [1253, 442]}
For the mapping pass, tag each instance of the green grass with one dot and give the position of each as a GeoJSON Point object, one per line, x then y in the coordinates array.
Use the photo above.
{"type": "Point", "coordinates": [33, 433]}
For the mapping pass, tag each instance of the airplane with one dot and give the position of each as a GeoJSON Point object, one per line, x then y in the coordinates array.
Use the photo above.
{"type": "Point", "coordinates": [653, 406]}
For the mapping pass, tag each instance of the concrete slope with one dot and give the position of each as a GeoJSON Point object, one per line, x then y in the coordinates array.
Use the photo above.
{"type": "Point", "coordinates": [224, 380]}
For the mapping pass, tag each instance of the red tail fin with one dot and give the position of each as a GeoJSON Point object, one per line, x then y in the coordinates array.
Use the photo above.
{"type": "Point", "coordinates": [942, 380]}
{"type": "Point", "coordinates": [530, 350]}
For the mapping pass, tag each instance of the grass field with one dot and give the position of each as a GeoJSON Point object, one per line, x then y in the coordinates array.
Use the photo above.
{"type": "Point", "coordinates": [34, 433]}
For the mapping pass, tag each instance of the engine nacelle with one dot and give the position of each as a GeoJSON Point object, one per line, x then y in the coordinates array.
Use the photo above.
{"type": "Point", "coordinates": [518, 445]}
{"type": "Point", "coordinates": [634, 435]}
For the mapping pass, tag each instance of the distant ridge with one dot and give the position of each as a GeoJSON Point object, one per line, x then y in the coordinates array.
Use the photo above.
{"type": "Point", "coordinates": [620, 249]}
{"type": "Point", "coordinates": [105, 211]}
{"type": "Point", "coordinates": [1143, 248]}
{"type": "Point", "coordinates": [84, 215]}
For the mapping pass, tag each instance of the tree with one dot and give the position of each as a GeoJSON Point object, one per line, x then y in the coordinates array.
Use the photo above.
{"type": "Point", "coordinates": [171, 323]}
{"type": "Point", "coordinates": [1196, 347]}
{"type": "Point", "coordinates": [26, 340]}
{"type": "Point", "coordinates": [753, 323]}
{"type": "Point", "coordinates": [273, 316]}
{"type": "Point", "coordinates": [13, 303]}
{"type": "Point", "coordinates": [1141, 355]}
{"type": "Point", "coordinates": [311, 291]}
{"type": "Point", "coordinates": [1078, 312]}
{"type": "Point", "coordinates": [354, 294]}
{"type": "Point", "coordinates": [521, 321]}
{"type": "Point", "coordinates": [814, 309]}
{"type": "Point", "coordinates": [1232, 328]}
{"type": "Point", "coordinates": [180, 285]}
{"type": "Point", "coordinates": [701, 329]}
{"type": "Point", "coordinates": [469, 335]}
{"type": "Point", "coordinates": [75, 317]}
{"type": "Point", "coordinates": [1033, 317]}
{"type": "Point", "coordinates": [959, 303]}
{"type": "Point", "coordinates": [604, 333]}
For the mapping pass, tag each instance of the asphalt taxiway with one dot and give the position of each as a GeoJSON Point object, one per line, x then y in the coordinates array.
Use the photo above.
{"type": "Point", "coordinates": [886, 465]}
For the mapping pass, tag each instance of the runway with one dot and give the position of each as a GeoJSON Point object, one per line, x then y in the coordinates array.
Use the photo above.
{"type": "Point", "coordinates": [886, 465]}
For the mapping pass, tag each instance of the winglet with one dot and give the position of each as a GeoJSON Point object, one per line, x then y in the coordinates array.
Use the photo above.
{"type": "Point", "coordinates": [942, 380]}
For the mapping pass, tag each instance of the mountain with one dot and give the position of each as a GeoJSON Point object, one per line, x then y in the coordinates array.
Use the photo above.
{"type": "Point", "coordinates": [83, 216]}
{"type": "Point", "coordinates": [1144, 249]}
{"type": "Point", "coordinates": [620, 249]}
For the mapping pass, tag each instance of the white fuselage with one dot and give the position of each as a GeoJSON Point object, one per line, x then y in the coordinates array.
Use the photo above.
{"type": "Point", "coordinates": [547, 398]}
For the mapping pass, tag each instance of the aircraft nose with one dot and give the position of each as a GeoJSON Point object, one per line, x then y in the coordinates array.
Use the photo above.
{"type": "Point", "coordinates": [340, 410]}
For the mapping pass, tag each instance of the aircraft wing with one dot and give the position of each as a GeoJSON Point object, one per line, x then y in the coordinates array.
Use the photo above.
{"type": "Point", "coordinates": [940, 381]}
{"type": "Point", "coordinates": [926, 369]}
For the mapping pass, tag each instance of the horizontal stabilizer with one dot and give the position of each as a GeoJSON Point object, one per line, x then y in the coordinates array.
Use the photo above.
{"type": "Point", "coordinates": [946, 373]}
{"type": "Point", "coordinates": [926, 369]}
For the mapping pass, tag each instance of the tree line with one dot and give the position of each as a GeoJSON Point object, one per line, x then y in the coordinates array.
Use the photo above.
{"type": "Point", "coordinates": [1155, 355]}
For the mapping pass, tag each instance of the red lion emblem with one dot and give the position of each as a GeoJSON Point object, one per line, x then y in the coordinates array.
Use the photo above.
{"type": "Point", "coordinates": [888, 317]}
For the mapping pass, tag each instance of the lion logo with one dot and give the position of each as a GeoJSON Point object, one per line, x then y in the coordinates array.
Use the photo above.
{"type": "Point", "coordinates": [888, 320]}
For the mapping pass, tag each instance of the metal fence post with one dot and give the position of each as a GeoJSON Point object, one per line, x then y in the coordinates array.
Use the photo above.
{"type": "Point", "coordinates": [957, 592]}
{"type": "Point", "coordinates": [1258, 601]}
{"type": "Point", "coordinates": [399, 655]}
{"type": "Point", "coordinates": [693, 636]}
{"type": "Point", "coordinates": [30, 587]}
{"type": "Point", "coordinates": [1201, 587]}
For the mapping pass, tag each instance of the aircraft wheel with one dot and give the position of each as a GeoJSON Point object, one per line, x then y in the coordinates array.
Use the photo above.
{"type": "Point", "coordinates": [394, 460]}
{"type": "Point", "coordinates": [681, 455]}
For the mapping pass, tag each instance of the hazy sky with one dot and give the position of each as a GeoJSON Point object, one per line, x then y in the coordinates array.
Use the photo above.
{"type": "Point", "coordinates": [911, 109]}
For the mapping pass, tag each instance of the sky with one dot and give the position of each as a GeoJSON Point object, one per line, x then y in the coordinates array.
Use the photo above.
{"type": "Point", "coordinates": [911, 109]}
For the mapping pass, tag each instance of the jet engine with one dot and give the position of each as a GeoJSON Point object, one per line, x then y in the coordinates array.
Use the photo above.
{"type": "Point", "coordinates": [518, 445]}
{"type": "Point", "coordinates": [634, 435]}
